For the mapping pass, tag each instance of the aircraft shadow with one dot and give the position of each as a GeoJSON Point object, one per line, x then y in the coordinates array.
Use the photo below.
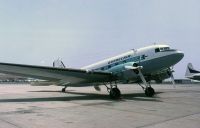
{"type": "Point", "coordinates": [57, 91]}
{"type": "Point", "coordinates": [85, 96]}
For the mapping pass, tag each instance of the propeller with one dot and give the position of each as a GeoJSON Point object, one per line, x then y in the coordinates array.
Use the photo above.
{"type": "Point", "coordinates": [170, 73]}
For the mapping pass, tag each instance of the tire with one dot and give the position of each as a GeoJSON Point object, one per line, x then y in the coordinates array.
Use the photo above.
{"type": "Point", "coordinates": [63, 89]}
{"type": "Point", "coordinates": [115, 93]}
{"type": "Point", "coordinates": [149, 91]}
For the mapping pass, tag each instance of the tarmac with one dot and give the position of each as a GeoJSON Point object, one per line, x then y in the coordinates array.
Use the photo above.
{"type": "Point", "coordinates": [24, 106]}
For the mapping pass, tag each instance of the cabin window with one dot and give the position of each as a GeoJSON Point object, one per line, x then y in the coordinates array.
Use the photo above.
{"type": "Point", "coordinates": [166, 48]}
{"type": "Point", "coordinates": [102, 68]}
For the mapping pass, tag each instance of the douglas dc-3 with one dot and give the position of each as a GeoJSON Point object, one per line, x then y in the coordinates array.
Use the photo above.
{"type": "Point", "coordinates": [135, 66]}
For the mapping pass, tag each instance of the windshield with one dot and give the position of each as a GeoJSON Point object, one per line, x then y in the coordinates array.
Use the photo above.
{"type": "Point", "coordinates": [162, 49]}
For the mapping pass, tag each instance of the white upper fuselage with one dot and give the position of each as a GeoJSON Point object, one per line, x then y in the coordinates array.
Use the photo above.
{"type": "Point", "coordinates": [152, 58]}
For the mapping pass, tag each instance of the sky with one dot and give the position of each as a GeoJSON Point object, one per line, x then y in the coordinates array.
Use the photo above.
{"type": "Point", "coordinates": [81, 32]}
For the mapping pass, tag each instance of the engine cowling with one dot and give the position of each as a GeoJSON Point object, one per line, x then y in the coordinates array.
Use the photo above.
{"type": "Point", "coordinates": [123, 67]}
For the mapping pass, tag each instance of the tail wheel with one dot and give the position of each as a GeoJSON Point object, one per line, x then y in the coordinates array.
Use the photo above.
{"type": "Point", "coordinates": [115, 93]}
{"type": "Point", "coordinates": [63, 89]}
{"type": "Point", "coordinates": [149, 91]}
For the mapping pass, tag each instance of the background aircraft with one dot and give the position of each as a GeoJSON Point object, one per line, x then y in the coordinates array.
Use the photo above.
{"type": "Point", "coordinates": [191, 73]}
{"type": "Point", "coordinates": [135, 66]}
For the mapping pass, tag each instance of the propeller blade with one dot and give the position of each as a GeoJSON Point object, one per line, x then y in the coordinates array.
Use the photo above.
{"type": "Point", "coordinates": [170, 73]}
{"type": "Point", "coordinates": [172, 79]}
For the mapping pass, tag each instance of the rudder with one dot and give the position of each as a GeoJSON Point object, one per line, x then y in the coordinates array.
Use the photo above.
{"type": "Point", "coordinates": [190, 70]}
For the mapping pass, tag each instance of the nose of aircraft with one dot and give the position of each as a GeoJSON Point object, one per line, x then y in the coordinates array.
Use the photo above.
{"type": "Point", "coordinates": [179, 55]}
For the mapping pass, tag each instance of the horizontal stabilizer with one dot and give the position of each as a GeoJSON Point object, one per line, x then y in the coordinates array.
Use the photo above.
{"type": "Point", "coordinates": [58, 64]}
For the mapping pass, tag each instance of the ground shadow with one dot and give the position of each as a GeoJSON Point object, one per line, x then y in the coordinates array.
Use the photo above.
{"type": "Point", "coordinates": [85, 96]}
{"type": "Point", "coordinates": [56, 91]}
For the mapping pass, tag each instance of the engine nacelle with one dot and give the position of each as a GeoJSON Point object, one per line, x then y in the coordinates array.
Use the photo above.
{"type": "Point", "coordinates": [123, 67]}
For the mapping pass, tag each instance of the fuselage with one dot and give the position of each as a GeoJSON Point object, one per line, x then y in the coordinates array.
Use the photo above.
{"type": "Point", "coordinates": [153, 58]}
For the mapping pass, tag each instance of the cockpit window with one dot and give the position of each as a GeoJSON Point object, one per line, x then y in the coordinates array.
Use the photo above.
{"type": "Point", "coordinates": [162, 49]}
{"type": "Point", "coordinates": [157, 50]}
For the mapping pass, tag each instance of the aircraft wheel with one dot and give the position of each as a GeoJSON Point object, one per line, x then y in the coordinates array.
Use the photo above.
{"type": "Point", "coordinates": [149, 91]}
{"type": "Point", "coordinates": [63, 89]}
{"type": "Point", "coordinates": [115, 93]}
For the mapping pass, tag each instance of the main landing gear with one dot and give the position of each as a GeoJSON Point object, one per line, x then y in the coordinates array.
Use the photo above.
{"type": "Point", "coordinates": [149, 91]}
{"type": "Point", "coordinates": [116, 94]}
{"type": "Point", "coordinates": [113, 91]}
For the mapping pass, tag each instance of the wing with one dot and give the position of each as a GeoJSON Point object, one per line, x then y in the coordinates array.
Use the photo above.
{"type": "Point", "coordinates": [67, 75]}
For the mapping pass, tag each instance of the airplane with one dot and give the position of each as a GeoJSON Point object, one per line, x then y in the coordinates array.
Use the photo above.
{"type": "Point", "coordinates": [191, 73]}
{"type": "Point", "coordinates": [141, 65]}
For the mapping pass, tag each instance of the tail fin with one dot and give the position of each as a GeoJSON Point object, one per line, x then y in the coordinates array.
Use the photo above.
{"type": "Point", "coordinates": [190, 70]}
{"type": "Point", "coordinates": [58, 64]}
